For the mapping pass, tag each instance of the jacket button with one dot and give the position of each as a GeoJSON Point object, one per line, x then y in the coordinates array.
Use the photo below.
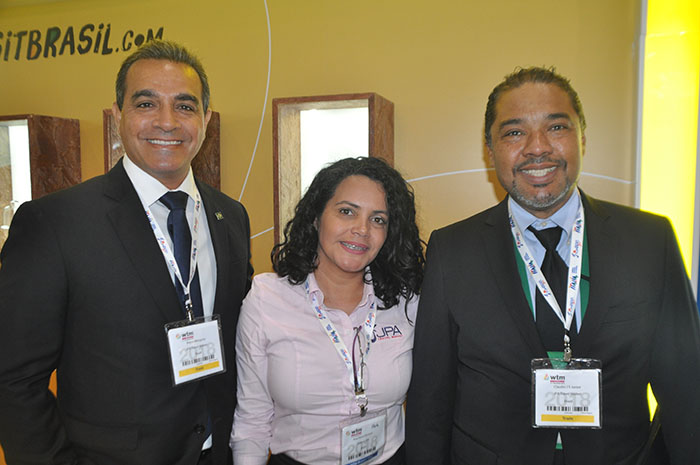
{"type": "Point", "coordinates": [199, 429]}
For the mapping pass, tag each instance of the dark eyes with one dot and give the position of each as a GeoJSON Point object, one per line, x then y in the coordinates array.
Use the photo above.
{"type": "Point", "coordinates": [179, 107]}
{"type": "Point", "coordinates": [378, 220]}
{"type": "Point", "coordinates": [558, 127]}
{"type": "Point", "coordinates": [518, 132]}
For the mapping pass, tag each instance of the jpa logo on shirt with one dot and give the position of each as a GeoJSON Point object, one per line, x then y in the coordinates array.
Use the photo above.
{"type": "Point", "coordinates": [386, 332]}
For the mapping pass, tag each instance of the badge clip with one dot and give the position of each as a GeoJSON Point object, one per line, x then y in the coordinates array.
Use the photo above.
{"type": "Point", "coordinates": [189, 310]}
{"type": "Point", "coordinates": [567, 347]}
{"type": "Point", "coordinates": [362, 401]}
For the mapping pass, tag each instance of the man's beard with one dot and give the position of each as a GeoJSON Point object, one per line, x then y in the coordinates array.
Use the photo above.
{"type": "Point", "coordinates": [547, 201]}
{"type": "Point", "coordinates": [544, 203]}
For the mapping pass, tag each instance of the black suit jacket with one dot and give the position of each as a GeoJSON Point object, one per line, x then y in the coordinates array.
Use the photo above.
{"type": "Point", "coordinates": [84, 289]}
{"type": "Point", "coordinates": [469, 400]}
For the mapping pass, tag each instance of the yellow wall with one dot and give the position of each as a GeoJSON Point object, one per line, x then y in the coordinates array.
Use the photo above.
{"type": "Point", "coordinates": [670, 115]}
{"type": "Point", "coordinates": [437, 61]}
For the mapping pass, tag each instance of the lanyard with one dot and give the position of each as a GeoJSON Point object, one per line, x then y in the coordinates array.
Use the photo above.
{"type": "Point", "coordinates": [168, 253]}
{"type": "Point", "coordinates": [345, 355]}
{"type": "Point", "coordinates": [574, 278]}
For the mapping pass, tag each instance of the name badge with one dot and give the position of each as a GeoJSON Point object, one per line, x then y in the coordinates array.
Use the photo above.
{"type": "Point", "coordinates": [362, 438]}
{"type": "Point", "coordinates": [195, 349]}
{"type": "Point", "coordinates": [566, 394]}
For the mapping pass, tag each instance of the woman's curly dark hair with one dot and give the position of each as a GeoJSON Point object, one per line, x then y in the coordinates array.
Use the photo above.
{"type": "Point", "coordinates": [397, 269]}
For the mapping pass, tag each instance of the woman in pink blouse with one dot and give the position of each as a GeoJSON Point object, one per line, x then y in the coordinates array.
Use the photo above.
{"type": "Point", "coordinates": [324, 344]}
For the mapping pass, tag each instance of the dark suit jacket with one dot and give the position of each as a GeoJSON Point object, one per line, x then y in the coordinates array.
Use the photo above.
{"type": "Point", "coordinates": [84, 289]}
{"type": "Point", "coordinates": [469, 399]}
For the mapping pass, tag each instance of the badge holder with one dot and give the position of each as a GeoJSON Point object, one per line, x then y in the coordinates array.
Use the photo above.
{"type": "Point", "coordinates": [196, 349]}
{"type": "Point", "coordinates": [567, 394]}
{"type": "Point", "coordinates": [362, 438]}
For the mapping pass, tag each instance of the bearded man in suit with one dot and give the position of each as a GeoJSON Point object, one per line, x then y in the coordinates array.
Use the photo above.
{"type": "Point", "coordinates": [494, 341]}
{"type": "Point", "coordinates": [95, 278]}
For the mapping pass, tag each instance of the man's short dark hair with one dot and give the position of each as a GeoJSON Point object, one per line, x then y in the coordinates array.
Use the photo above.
{"type": "Point", "coordinates": [522, 76]}
{"type": "Point", "coordinates": [162, 50]}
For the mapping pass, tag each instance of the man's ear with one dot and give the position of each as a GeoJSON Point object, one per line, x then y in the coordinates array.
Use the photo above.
{"type": "Point", "coordinates": [116, 113]}
{"type": "Point", "coordinates": [489, 150]}
{"type": "Point", "coordinates": [207, 117]}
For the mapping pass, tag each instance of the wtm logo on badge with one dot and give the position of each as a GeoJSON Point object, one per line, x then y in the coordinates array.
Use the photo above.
{"type": "Point", "coordinates": [555, 379]}
{"type": "Point", "coordinates": [386, 332]}
{"type": "Point", "coordinates": [186, 336]}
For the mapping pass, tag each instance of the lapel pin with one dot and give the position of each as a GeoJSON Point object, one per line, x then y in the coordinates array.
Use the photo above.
{"type": "Point", "coordinates": [219, 216]}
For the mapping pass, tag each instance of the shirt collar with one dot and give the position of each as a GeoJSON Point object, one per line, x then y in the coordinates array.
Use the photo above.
{"type": "Point", "coordinates": [149, 189]}
{"type": "Point", "coordinates": [367, 291]}
{"type": "Point", "coordinates": [564, 217]}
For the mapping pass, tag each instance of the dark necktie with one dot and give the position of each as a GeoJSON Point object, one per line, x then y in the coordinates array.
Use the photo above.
{"type": "Point", "coordinates": [179, 231]}
{"type": "Point", "coordinates": [556, 272]}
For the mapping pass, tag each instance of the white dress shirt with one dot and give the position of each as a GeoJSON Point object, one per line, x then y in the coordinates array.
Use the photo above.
{"type": "Point", "coordinates": [150, 190]}
{"type": "Point", "coordinates": [293, 387]}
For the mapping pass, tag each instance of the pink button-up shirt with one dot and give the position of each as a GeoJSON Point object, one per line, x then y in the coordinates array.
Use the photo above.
{"type": "Point", "coordinates": [293, 387]}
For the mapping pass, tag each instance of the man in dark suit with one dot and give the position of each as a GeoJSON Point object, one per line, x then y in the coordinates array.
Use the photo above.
{"type": "Point", "coordinates": [483, 317]}
{"type": "Point", "coordinates": [85, 289]}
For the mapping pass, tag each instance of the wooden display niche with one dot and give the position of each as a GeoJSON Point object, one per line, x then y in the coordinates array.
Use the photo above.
{"type": "Point", "coordinates": [206, 165]}
{"type": "Point", "coordinates": [54, 152]}
{"type": "Point", "coordinates": [286, 145]}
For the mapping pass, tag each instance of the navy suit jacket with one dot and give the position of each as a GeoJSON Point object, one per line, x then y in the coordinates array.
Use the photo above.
{"type": "Point", "coordinates": [469, 400]}
{"type": "Point", "coordinates": [84, 290]}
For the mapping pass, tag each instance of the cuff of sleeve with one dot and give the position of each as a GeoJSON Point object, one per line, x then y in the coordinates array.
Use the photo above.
{"type": "Point", "coordinates": [249, 453]}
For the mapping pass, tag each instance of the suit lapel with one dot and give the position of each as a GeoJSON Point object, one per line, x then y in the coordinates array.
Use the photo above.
{"type": "Point", "coordinates": [219, 239]}
{"type": "Point", "coordinates": [602, 257]}
{"type": "Point", "coordinates": [134, 232]}
{"type": "Point", "coordinates": [501, 258]}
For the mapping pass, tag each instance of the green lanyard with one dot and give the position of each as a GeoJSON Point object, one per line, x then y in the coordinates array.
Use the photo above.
{"type": "Point", "coordinates": [584, 289]}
